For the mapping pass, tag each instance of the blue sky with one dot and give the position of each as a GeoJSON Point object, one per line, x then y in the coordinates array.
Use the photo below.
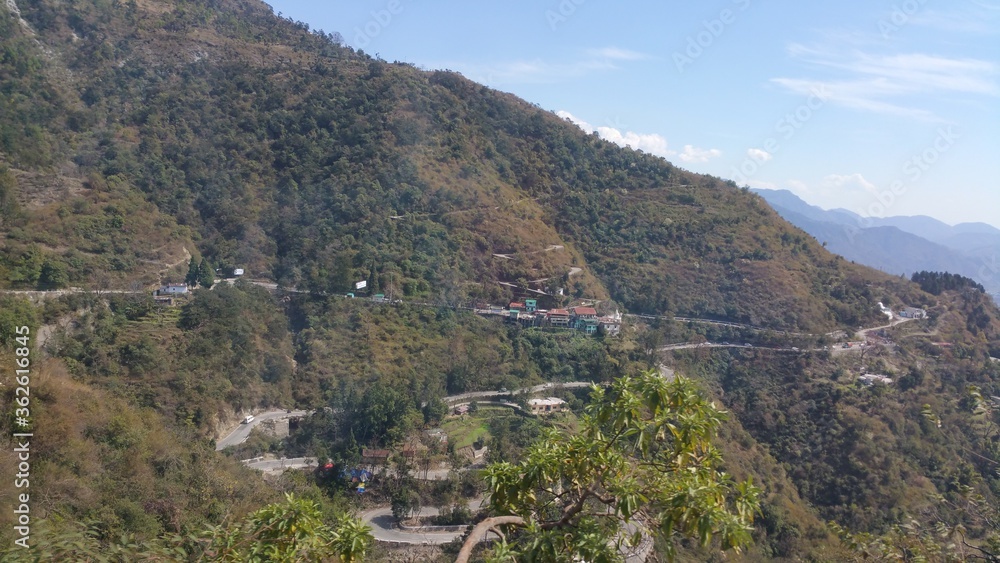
{"type": "Point", "coordinates": [883, 108]}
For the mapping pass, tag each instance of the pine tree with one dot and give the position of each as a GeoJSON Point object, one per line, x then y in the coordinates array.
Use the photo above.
{"type": "Point", "coordinates": [193, 273]}
{"type": "Point", "coordinates": [206, 276]}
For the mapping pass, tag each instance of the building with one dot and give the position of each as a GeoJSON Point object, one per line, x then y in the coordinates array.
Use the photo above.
{"type": "Point", "coordinates": [584, 318]}
{"type": "Point", "coordinates": [546, 406]}
{"type": "Point", "coordinates": [164, 301]}
{"type": "Point", "coordinates": [525, 319]}
{"type": "Point", "coordinates": [609, 326]}
{"type": "Point", "coordinates": [372, 457]}
{"type": "Point", "coordinates": [558, 318]}
{"type": "Point", "coordinates": [588, 326]}
{"type": "Point", "coordinates": [173, 289]}
{"type": "Point", "coordinates": [912, 313]}
{"type": "Point", "coordinates": [531, 305]}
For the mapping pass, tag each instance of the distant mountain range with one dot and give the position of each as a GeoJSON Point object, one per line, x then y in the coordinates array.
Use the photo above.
{"type": "Point", "coordinates": [898, 245]}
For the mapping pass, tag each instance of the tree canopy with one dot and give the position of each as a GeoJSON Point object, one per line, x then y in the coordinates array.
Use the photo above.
{"type": "Point", "coordinates": [643, 464]}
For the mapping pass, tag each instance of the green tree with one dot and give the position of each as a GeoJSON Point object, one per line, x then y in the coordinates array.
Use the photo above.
{"type": "Point", "coordinates": [291, 531]}
{"type": "Point", "coordinates": [8, 199]}
{"type": "Point", "coordinates": [53, 275]}
{"type": "Point", "coordinates": [643, 463]}
{"type": "Point", "coordinates": [434, 411]}
{"type": "Point", "coordinates": [206, 276]}
{"type": "Point", "coordinates": [193, 273]}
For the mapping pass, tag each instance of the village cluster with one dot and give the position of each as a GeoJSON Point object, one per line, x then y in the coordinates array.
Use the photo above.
{"type": "Point", "coordinates": [527, 314]}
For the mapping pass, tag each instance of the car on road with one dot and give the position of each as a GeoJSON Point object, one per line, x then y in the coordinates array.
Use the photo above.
{"type": "Point", "coordinates": [248, 419]}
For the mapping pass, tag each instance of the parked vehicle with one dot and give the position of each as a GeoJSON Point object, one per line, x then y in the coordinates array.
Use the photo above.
{"type": "Point", "coordinates": [248, 419]}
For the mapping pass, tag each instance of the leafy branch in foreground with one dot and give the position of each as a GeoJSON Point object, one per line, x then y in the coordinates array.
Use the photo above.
{"type": "Point", "coordinates": [293, 531]}
{"type": "Point", "coordinates": [643, 464]}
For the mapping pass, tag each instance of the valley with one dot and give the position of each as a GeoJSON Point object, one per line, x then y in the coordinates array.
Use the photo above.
{"type": "Point", "coordinates": [210, 214]}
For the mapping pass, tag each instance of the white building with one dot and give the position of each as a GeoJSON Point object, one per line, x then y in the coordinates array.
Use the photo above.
{"type": "Point", "coordinates": [913, 313]}
{"type": "Point", "coordinates": [173, 289]}
{"type": "Point", "coordinates": [546, 405]}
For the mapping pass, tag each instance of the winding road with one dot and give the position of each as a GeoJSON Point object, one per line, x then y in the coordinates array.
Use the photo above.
{"type": "Point", "coordinates": [385, 529]}
{"type": "Point", "coordinates": [242, 432]}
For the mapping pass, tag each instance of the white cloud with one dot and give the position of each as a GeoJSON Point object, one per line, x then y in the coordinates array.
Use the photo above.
{"type": "Point", "coordinates": [849, 181]}
{"type": "Point", "coordinates": [576, 121]}
{"type": "Point", "coordinates": [695, 154]}
{"type": "Point", "coordinates": [890, 83]}
{"type": "Point", "coordinates": [759, 155]}
{"type": "Point", "coordinates": [651, 143]}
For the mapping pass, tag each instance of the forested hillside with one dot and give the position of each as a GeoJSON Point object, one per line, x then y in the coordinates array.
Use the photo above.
{"type": "Point", "coordinates": [138, 138]}
{"type": "Point", "coordinates": [282, 152]}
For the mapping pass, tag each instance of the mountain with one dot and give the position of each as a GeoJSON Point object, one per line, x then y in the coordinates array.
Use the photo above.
{"type": "Point", "coordinates": [143, 140]}
{"type": "Point", "coordinates": [897, 245]}
{"type": "Point", "coordinates": [265, 147]}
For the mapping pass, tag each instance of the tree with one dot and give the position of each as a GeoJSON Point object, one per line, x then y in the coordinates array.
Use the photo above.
{"type": "Point", "coordinates": [206, 276]}
{"type": "Point", "coordinates": [405, 503]}
{"type": "Point", "coordinates": [643, 463]}
{"type": "Point", "coordinates": [291, 531]}
{"type": "Point", "coordinates": [294, 530]}
{"type": "Point", "coordinates": [192, 274]}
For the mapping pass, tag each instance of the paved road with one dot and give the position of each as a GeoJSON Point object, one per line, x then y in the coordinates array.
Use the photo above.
{"type": "Point", "coordinates": [384, 526]}
{"type": "Point", "coordinates": [863, 333]}
{"type": "Point", "coordinates": [279, 465]}
{"type": "Point", "coordinates": [536, 389]}
{"type": "Point", "coordinates": [242, 432]}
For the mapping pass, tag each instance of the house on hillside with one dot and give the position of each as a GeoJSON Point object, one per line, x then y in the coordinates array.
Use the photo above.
{"type": "Point", "coordinates": [558, 318]}
{"type": "Point", "coordinates": [531, 305]}
{"type": "Point", "coordinates": [525, 319]}
{"type": "Point", "coordinates": [547, 405]}
{"type": "Point", "coordinates": [912, 313]}
{"type": "Point", "coordinates": [374, 458]}
{"type": "Point", "coordinates": [584, 318]}
{"type": "Point", "coordinates": [173, 289]}
{"type": "Point", "coordinates": [609, 326]}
